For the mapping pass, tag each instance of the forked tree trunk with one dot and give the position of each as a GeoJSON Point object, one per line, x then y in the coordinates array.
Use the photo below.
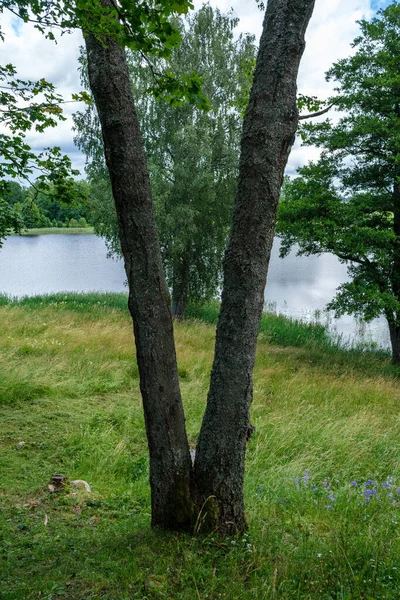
{"type": "Point", "coordinates": [269, 128]}
{"type": "Point", "coordinates": [180, 286]}
{"type": "Point", "coordinates": [149, 299]}
{"type": "Point", "coordinates": [268, 133]}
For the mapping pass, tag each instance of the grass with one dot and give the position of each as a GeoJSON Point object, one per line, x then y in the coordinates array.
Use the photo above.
{"type": "Point", "coordinates": [57, 230]}
{"type": "Point", "coordinates": [326, 418]}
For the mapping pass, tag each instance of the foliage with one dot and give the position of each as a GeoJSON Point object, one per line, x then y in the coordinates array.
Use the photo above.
{"type": "Point", "coordinates": [348, 202]}
{"type": "Point", "coordinates": [34, 209]}
{"type": "Point", "coordinates": [27, 106]}
{"type": "Point", "coordinates": [145, 26]}
{"type": "Point", "coordinates": [320, 423]}
{"type": "Point", "coordinates": [192, 155]}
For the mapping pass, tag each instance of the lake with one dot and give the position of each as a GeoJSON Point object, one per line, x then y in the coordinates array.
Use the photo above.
{"type": "Point", "coordinates": [296, 286]}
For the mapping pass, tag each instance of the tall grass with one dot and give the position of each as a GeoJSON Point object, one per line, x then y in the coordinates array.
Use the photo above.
{"type": "Point", "coordinates": [279, 329]}
{"type": "Point", "coordinates": [92, 301]}
{"type": "Point", "coordinates": [322, 486]}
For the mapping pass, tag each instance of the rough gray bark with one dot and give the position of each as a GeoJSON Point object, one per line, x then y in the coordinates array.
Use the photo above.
{"type": "Point", "coordinates": [149, 299]}
{"type": "Point", "coordinates": [268, 133]}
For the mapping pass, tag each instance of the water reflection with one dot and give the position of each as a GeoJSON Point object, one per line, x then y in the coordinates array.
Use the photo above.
{"type": "Point", "coordinates": [296, 286]}
{"type": "Point", "coordinates": [55, 263]}
{"type": "Point", "coordinates": [299, 286]}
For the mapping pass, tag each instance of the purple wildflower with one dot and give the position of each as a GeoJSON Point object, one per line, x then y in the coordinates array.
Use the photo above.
{"type": "Point", "coordinates": [369, 494]}
{"type": "Point", "coordinates": [388, 483]}
{"type": "Point", "coordinates": [331, 497]}
{"type": "Point", "coordinates": [353, 483]}
{"type": "Point", "coordinates": [306, 477]}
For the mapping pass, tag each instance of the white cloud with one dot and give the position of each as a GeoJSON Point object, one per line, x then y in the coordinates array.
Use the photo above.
{"type": "Point", "coordinates": [331, 30]}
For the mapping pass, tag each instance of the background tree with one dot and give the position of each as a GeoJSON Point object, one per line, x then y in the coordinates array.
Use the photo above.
{"type": "Point", "coordinates": [348, 202]}
{"type": "Point", "coordinates": [192, 155]}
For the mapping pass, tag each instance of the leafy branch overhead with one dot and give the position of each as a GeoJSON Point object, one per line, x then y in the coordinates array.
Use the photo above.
{"type": "Point", "coordinates": [147, 27]}
{"type": "Point", "coordinates": [32, 106]}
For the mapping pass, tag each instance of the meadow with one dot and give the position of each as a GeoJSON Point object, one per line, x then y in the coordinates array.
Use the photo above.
{"type": "Point", "coordinates": [323, 467]}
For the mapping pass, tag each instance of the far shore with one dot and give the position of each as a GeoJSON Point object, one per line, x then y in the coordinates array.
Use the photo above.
{"type": "Point", "coordinates": [58, 230]}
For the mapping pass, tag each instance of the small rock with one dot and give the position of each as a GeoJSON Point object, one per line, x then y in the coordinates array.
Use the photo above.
{"type": "Point", "coordinates": [80, 484]}
{"type": "Point", "coordinates": [51, 488]}
{"type": "Point", "coordinates": [20, 445]}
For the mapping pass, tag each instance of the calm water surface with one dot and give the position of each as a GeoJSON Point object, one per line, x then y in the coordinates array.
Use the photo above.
{"type": "Point", "coordinates": [296, 286]}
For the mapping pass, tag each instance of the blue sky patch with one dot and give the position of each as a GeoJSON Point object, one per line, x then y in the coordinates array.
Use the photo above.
{"type": "Point", "coordinates": [376, 4]}
{"type": "Point", "coordinates": [16, 25]}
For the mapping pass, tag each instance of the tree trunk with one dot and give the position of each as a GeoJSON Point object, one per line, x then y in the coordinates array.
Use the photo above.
{"type": "Point", "coordinates": [268, 133]}
{"type": "Point", "coordinates": [394, 331]}
{"type": "Point", "coordinates": [394, 326]}
{"type": "Point", "coordinates": [149, 299]}
{"type": "Point", "coordinates": [180, 286]}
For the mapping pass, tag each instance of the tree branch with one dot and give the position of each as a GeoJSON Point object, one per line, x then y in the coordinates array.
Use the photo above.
{"type": "Point", "coordinates": [316, 114]}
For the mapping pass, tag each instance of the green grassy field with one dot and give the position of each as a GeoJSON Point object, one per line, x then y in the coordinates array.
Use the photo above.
{"type": "Point", "coordinates": [323, 467]}
{"type": "Point", "coordinates": [58, 230]}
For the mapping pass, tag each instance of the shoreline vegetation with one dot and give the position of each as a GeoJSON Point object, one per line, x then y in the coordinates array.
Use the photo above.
{"type": "Point", "coordinates": [322, 478]}
{"type": "Point", "coordinates": [56, 230]}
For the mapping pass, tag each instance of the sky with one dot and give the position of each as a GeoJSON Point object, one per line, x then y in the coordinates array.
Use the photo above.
{"type": "Point", "coordinates": [332, 28]}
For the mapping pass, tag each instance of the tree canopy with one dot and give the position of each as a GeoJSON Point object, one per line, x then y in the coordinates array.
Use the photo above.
{"type": "Point", "coordinates": [348, 202]}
